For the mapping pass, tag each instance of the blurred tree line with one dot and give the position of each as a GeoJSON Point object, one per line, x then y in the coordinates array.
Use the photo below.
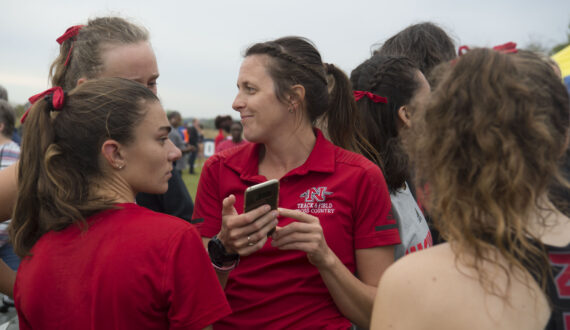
{"type": "Point", "coordinates": [537, 46]}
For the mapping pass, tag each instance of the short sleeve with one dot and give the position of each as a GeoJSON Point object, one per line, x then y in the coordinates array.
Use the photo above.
{"type": "Point", "coordinates": [374, 225]}
{"type": "Point", "coordinates": [207, 215]}
{"type": "Point", "coordinates": [194, 295]}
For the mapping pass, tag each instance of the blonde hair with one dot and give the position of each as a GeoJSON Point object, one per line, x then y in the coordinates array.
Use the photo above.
{"type": "Point", "coordinates": [87, 47]}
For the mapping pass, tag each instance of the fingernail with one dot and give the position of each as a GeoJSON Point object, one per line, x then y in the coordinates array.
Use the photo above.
{"type": "Point", "coordinates": [274, 214]}
{"type": "Point", "coordinates": [266, 208]}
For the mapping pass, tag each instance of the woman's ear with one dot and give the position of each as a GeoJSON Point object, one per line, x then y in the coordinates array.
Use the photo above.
{"type": "Point", "coordinates": [111, 151]}
{"type": "Point", "coordinates": [404, 115]}
{"type": "Point", "coordinates": [297, 96]}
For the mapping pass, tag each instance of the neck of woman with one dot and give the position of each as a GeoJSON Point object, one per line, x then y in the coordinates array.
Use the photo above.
{"type": "Point", "coordinates": [4, 139]}
{"type": "Point", "coordinates": [114, 189]}
{"type": "Point", "coordinates": [286, 152]}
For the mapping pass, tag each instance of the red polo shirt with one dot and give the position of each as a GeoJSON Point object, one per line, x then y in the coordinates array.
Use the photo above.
{"type": "Point", "coordinates": [281, 289]}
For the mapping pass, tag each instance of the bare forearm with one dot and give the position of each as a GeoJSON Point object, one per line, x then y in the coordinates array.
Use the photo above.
{"type": "Point", "coordinates": [9, 191]}
{"type": "Point", "coordinates": [7, 279]}
{"type": "Point", "coordinates": [353, 298]}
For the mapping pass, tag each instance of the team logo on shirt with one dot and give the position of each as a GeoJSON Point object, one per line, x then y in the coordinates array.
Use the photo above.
{"type": "Point", "coordinates": [316, 194]}
{"type": "Point", "coordinates": [315, 201]}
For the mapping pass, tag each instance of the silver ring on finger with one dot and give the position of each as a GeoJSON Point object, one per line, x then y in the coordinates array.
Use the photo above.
{"type": "Point", "coordinates": [249, 242]}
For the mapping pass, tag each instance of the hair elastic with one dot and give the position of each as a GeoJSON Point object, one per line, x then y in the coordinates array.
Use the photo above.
{"type": "Point", "coordinates": [69, 33]}
{"type": "Point", "coordinates": [375, 98]}
{"type": "Point", "coordinates": [55, 96]}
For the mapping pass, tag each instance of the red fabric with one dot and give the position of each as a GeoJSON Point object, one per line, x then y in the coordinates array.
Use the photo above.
{"type": "Point", "coordinates": [509, 47]}
{"type": "Point", "coordinates": [58, 99]}
{"type": "Point", "coordinates": [132, 269]}
{"type": "Point", "coordinates": [228, 144]}
{"type": "Point", "coordinates": [375, 98]}
{"type": "Point", "coordinates": [69, 33]}
{"type": "Point", "coordinates": [281, 289]}
{"type": "Point", "coordinates": [220, 137]}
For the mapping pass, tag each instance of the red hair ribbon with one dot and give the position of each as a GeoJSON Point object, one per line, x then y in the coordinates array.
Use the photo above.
{"type": "Point", "coordinates": [56, 100]}
{"type": "Point", "coordinates": [69, 33]}
{"type": "Point", "coordinates": [508, 48]}
{"type": "Point", "coordinates": [375, 98]}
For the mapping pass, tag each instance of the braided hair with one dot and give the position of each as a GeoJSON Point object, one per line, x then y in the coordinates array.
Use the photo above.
{"type": "Point", "coordinates": [396, 79]}
{"type": "Point", "coordinates": [328, 93]}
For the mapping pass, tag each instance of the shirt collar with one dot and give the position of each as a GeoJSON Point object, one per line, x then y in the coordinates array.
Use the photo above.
{"type": "Point", "coordinates": [246, 161]}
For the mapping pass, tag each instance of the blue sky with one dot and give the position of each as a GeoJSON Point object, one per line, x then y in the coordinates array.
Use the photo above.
{"type": "Point", "coordinates": [199, 43]}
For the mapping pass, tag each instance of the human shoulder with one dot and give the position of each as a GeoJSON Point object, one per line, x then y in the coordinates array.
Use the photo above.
{"type": "Point", "coordinates": [154, 222]}
{"type": "Point", "coordinates": [348, 158]}
{"type": "Point", "coordinates": [411, 292]}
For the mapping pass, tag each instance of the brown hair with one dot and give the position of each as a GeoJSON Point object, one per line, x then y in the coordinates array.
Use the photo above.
{"type": "Point", "coordinates": [395, 78]}
{"type": "Point", "coordinates": [425, 43]}
{"type": "Point", "coordinates": [60, 159]}
{"type": "Point", "coordinates": [488, 145]}
{"type": "Point", "coordinates": [88, 46]}
{"type": "Point", "coordinates": [328, 93]}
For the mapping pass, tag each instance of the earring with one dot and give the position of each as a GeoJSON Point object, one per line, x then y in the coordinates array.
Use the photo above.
{"type": "Point", "coordinates": [290, 110]}
{"type": "Point", "coordinates": [119, 167]}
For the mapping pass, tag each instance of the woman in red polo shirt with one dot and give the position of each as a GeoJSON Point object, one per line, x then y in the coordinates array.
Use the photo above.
{"type": "Point", "coordinates": [333, 221]}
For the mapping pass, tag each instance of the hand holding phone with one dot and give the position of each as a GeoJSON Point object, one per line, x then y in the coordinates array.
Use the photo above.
{"type": "Point", "coordinates": [260, 194]}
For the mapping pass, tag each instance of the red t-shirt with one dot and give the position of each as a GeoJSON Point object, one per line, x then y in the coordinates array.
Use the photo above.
{"type": "Point", "coordinates": [281, 289]}
{"type": "Point", "coordinates": [131, 269]}
{"type": "Point", "coordinates": [228, 144]}
{"type": "Point", "coordinates": [220, 137]}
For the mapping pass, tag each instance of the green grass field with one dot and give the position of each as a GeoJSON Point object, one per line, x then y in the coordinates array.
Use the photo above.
{"type": "Point", "coordinates": [191, 181]}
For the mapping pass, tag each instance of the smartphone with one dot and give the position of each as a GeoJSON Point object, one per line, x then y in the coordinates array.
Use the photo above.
{"type": "Point", "coordinates": [260, 194]}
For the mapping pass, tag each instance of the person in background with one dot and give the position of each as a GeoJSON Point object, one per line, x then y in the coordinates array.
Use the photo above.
{"type": "Point", "coordinates": [4, 96]}
{"type": "Point", "coordinates": [222, 124]}
{"type": "Point", "coordinates": [3, 93]}
{"type": "Point", "coordinates": [195, 136]}
{"type": "Point", "coordinates": [84, 241]}
{"type": "Point", "coordinates": [236, 131]}
{"type": "Point", "coordinates": [426, 44]}
{"type": "Point", "coordinates": [9, 154]}
{"type": "Point", "coordinates": [333, 239]}
{"type": "Point", "coordinates": [488, 144]}
{"type": "Point", "coordinates": [9, 150]}
{"type": "Point", "coordinates": [385, 87]}
{"type": "Point", "coordinates": [175, 136]}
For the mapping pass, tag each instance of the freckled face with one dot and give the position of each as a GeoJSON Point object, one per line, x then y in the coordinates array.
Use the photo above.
{"type": "Point", "coordinates": [148, 159]}
{"type": "Point", "coordinates": [131, 61]}
{"type": "Point", "coordinates": [262, 114]}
